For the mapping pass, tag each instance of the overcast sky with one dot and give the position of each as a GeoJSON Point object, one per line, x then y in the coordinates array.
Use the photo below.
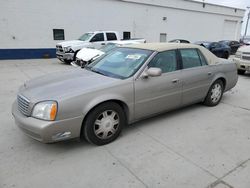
{"type": "Point", "coordinates": [234, 3]}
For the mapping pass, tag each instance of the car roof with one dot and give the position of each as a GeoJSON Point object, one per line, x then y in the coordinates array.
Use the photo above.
{"type": "Point", "coordinates": [159, 47]}
{"type": "Point", "coordinates": [123, 42]}
{"type": "Point", "coordinates": [201, 42]}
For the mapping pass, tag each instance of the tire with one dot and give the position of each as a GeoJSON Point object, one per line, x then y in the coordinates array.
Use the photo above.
{"type": "Point", "coordinates": [74, 58]}
{"type": "Point", "coordinates": [214, 94]}
{"type": "Point", "coordinates": [241, 72]}
{"type": "Point", "coordinates": [67, 61]}
{"type": "Point", "coordinates": [226, 55]}
{"type": "Point", "coordinates": [104, 123]}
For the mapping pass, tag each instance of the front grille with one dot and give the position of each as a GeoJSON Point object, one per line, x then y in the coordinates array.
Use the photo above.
{"type": "Point", "coordinates": [246, 53]}
{"type": "Point", "coordinates": [246, 57]}
{"type": "Point", "coordinates": [23, 105]}
{"type": "Point", "coordinates": [59, 48]}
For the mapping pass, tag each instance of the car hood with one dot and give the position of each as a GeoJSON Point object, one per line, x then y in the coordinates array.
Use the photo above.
{"type": "Point", "coordinates": [244, 49]}
{"type": "Point", "coordinates": [87, 54]}
{"type": "Point", "coordinates": [71, 43]}
{"type": "Point", "coordinates": [60, 85]}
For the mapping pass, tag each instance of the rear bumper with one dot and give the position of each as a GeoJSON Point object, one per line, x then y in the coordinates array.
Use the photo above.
{"type": "Point", "coordinates": [47, 131]}
{"type": "Point", "coordinates": [242, 64]}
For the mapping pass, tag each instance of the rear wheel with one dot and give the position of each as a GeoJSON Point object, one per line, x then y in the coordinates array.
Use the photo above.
{"type": "Point", "coordinates": [214, 94]}
{"type": "Point", "coordinates": [104, 123]}
{"type": "Point", "coordinates": [241, 71]}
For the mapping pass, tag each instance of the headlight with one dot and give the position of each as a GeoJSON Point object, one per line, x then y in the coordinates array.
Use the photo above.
{"type": "Point", "coordinates": [45, 110]}
{"type": "Point", "coordinates": [238, 54]}
{"type": "Point", "coordinates": [68, 49]}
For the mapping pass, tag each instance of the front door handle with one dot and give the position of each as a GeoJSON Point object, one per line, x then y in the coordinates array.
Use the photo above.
{"type": "Point", "coordinates": [102, 43]}
{"type": "Point", "coordinates": [175, 81]}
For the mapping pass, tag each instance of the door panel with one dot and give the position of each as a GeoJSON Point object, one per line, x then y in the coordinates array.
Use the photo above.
{"type": "Point", "coordinates": [163, 37]}
{"type": "Point", "coordinates": [157, 94]}
{"type": "Point", "coordinates": [98, 40]}
{"type": "Point", "coordinates": [196, 76]}
{"type": "Point", "coordinates": [196, 83]}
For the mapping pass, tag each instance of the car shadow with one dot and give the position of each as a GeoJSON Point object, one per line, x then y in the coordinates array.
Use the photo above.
{"type": "Point", "coordinates": [246, 75]}
{"type": "Point", "coordinates": [162, 116]}
{"type": "Point", "coordinates": [79, 144]}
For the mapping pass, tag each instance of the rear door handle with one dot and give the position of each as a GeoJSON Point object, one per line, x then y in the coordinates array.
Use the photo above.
{"type": "Point", "coordinates": [209, 73]}
{"type": "Point", "coordinates": [175, 81]}
{"type": "Point", "coordinates": [102, 43]}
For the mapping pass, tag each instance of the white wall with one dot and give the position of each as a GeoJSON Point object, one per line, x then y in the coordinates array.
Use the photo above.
{"type": "Point", "coordinates": [30, 23]}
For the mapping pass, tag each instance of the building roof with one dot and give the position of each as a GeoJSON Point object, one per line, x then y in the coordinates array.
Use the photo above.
{"type": "Point", "coordinates": [192, 5]}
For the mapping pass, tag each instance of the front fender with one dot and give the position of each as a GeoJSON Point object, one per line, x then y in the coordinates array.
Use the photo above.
{"type": "Point", "coordinates": [103, 98]}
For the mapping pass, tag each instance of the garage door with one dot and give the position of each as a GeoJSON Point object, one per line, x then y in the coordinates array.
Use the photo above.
{"type": "Point", "coordinates": [229, 30]}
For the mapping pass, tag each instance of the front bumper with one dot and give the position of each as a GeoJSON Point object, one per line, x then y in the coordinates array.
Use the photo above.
{"type": "Point", "coordinates": [47, 131]}
{"type": "Point", "coordinates": [65, 56]}
{"type": "Point", "coordinates": [242, 64]}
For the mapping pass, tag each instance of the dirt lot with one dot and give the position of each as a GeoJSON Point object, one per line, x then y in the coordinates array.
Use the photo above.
{"type": "Point", "coordinates": [195, 147]}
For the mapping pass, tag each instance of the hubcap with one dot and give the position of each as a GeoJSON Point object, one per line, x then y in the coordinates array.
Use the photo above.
{"type": "Point", "coordinates": [106, 124]}
{"type": "Point", "coordinates": [216, 93]}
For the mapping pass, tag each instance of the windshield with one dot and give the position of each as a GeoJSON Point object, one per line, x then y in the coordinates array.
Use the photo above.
{"type": "Point", "coordinates": [224, 42]}
{"type": "Point", "coordinates": [120, 63]}
{"type": "Point", "coordinates": [86, 36]}
{"type": "Point", "coordinates": [108, 47]}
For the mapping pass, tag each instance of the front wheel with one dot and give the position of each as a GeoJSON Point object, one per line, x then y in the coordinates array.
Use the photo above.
{"type": "Point", "coordinates": [226, 55]}
{"type": "Point", "coordinates": [67, 61]}
{"type": "Point", "coordinates": [104, 123]}
{"type": "Point", "coordinates": [75, 54]}
{"type": "Point", "coordinates": [214, 94]}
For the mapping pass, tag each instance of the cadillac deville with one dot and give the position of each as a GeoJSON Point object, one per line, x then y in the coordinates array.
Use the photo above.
{"type": "Point", "coordinates": [126, 85]}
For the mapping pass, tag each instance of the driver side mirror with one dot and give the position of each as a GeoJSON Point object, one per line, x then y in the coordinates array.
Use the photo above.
{"type": "Point", "coordinates": [152, 72]}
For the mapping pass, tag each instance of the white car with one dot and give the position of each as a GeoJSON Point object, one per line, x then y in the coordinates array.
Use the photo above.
{"type": "Point", "coordinates": [66, 51]}
{"type": "Point", "coordinates": [87, 55]}
{"type": "Point", "coordinates": [242, 59]}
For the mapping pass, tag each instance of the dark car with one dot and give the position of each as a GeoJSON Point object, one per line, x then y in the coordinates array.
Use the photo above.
{"type": "Point", "coordinates": [234, 45]}
{"type": "Point", "coordinates": [179, 41]}
{"type": "Point", "coordinates": [218, 49]}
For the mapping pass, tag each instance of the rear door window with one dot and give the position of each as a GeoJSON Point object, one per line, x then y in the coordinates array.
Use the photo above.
{"type": "Point", "coordinates": [190, 58]}
{"type": "Point", "coordinates": [202, 58]}
{"type": "Point", "coordinates": [111, 36]}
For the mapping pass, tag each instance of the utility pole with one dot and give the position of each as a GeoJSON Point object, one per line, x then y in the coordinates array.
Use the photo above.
{"type": "Point", "coordinates": [248, 17]}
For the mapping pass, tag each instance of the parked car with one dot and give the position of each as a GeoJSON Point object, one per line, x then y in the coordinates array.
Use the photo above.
{"type": "Point", "coordinates": [88, 55]}
{"type": "Point", "coordinates": [67, 51]}
{"type": "Point", "coordinates": [245, 40]}
{"type": "Point", "coordinates": [179, 41]}
{"type": "Point", "coordinates": [218, 49]}
{"type": "Point", "coordinates": [126, 85]}
{"type": "Point", "coordinates": [242, 59]}
{"type": "Point", "coordinates": [234, 45]}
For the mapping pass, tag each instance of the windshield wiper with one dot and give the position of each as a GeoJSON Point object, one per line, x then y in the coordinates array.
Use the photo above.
{"type": "Point", "coordinates": [96, 71]}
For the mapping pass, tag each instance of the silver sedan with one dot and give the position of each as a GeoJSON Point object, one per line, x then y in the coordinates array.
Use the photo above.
{"type": "Point", "coordinates": [126, 85]}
